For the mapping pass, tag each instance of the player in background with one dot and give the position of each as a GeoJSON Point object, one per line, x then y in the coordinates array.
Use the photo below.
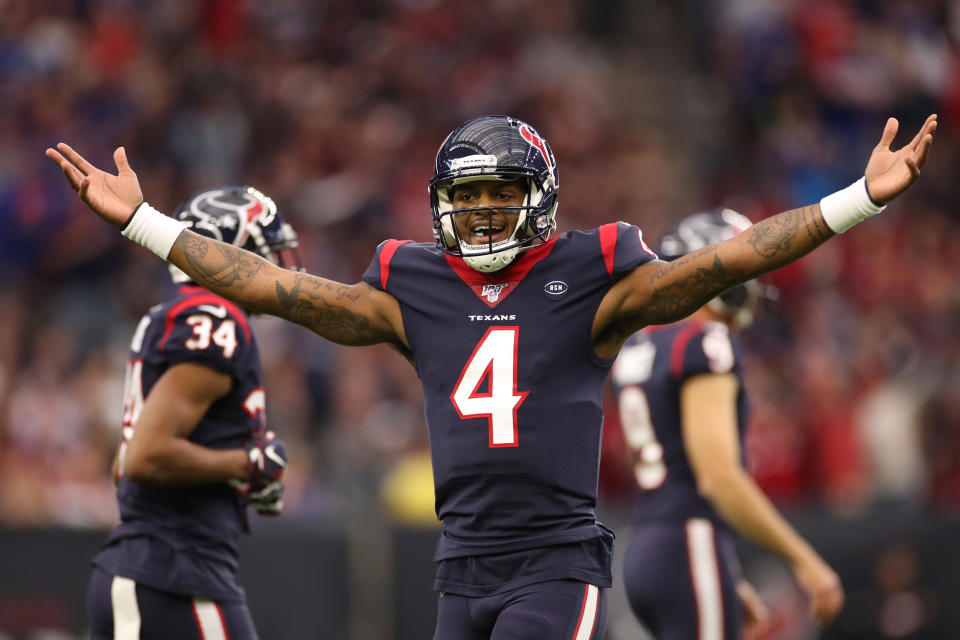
{"type": "Point", "coordinates": [683, 409]}
{"type": "Point", "coordinates": [512, 332]}
{"type": "Point", "coordinates": [194, 451]}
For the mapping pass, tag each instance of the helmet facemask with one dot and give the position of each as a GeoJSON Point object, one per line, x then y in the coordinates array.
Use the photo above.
{"type": "Point", "coordinates": [535, 219]}
{"type": "Point", "coordinates": [494, 148]}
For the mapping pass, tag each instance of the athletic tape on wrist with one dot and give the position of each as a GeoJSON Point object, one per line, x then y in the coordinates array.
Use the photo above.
{"type": "Point", "coordinates": [154, 230]}
{"type": "Point", "coordinates": [845, 208]}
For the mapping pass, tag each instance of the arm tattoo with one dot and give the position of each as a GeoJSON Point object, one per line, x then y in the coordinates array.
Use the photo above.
{"type": "Point", "coordinates": [775, 236]}
{"type": "Point", "coordinates": [227, 267]}
{"type": "Point", "coordinates": [776, 241]}
{"type": "Point", "coordinates": [682, 297]}
{"type": "Point", "coordinates": [322, 306]}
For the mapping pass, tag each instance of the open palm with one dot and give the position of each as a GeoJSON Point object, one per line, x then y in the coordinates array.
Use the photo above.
{"type": "Point", "coordinates": [112, 197]}
{"type": "Point", "coordinates": [888, 172]}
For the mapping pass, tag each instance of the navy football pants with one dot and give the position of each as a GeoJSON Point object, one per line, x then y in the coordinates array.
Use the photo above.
{"type": "Point", "coordinates": [679, 583]}
{"type": "Point", "coordinates": [556, 610]}
{"type": "Point", "coordinates": [120, 609]}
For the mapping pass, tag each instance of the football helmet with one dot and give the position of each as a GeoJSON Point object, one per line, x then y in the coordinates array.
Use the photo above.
{"type": "Point", "coordinates": [495, 148]}
{"type": "Point", "coordinates": [243, 217]}
{"type": "Point", "coordinates": [708, 227]}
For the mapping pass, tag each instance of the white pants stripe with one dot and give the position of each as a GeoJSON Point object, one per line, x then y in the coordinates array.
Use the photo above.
{"type": "Point", "coordinates": [588, 614]}
{"type": "Point", "coordinates": [705, 574]}
{"type": "Point", "coordinates": [209, 620]}
{"type": "Point", "coordinates": [126, 613]}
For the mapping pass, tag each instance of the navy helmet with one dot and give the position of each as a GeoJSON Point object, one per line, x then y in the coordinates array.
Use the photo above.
{"type": "Point", "coordinates": [708, 227]}
{"type": "Point", "coordinates": [243, 217]}
{"type": "Point", "coordinates": [498, 148]}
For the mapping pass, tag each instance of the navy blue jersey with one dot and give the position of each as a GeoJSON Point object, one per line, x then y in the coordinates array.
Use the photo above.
{"type": "Point", "coordinates": [512, 386]}
{"type": "Point", "coordinates": [648, 375]}
{"type": "Point", "coordinates": [182, 539]}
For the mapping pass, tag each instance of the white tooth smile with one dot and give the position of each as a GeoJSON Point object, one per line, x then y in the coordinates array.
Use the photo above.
{"type": "Point", "coordinates": [482, 232]}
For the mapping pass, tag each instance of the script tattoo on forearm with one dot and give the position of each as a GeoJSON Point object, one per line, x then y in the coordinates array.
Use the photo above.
{"type": "Point", "coordinates": [776, 237]}
{"type": "Point", "coordinates": [682, 297]}
{"type": "Point", "coordinates": [777, 241]}
{"type": "Point", "coordinates": [225, 267]}
{"type": "Point", "coordinates": [322, 306]}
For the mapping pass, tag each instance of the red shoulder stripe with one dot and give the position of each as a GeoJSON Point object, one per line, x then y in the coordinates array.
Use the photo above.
{"type": "Point", "coordinates": [608, 244]}
{"type": "Point", "coordinates": [679, 345]}
{"type": "Point", "coordinates": [386, 255]}
{"type": "Point", "coordinates": [203, 298]}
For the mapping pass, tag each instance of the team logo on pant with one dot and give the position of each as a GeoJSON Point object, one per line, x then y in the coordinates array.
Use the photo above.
{"type": "Point", "coordinates": [492, 291]}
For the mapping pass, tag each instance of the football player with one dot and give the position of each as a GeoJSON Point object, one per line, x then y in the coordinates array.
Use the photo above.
{"type": "Point", "coordinates": [195, 451]}
{"type": "Point", "coordinates": [512, 331]}
{"type": "Point", "coordinates": [683, 410]}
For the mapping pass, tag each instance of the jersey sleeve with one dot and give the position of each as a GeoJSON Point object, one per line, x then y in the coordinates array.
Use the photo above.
{"type": "Point", "coordinates": [702, 348]}
{"type": "Point", "coordinates": [213, 335]}
{"type": "Point", "coordinates": [624, 248]}
{"type": "Point", "coordinates": [378, 273]}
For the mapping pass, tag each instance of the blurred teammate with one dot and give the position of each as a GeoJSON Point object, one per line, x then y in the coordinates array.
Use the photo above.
{"type": "Point", "coordinates": [512, 332]}
{"type": "Point", "coordinates": [683, 410]}
{"type": "Point", "coordinates": [195, 450]}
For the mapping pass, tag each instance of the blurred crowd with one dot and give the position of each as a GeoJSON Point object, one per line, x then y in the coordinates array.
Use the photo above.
{"type": "Point", "coordinates": [336, 108]}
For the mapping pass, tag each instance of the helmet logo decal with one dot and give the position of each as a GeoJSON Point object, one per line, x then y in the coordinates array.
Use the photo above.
{"type": "Point", "coordinates": [254, 210]}
{"type": "Point", "coordinates": [492, 291]}
{"type": "Point", "coordinates": [537, 142]}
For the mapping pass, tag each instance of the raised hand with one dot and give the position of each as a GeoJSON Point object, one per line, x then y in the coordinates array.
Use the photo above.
{"type": "Point", "coordinates": [888, 172]}
{"type": "Point", "coordinates": [112, 197]}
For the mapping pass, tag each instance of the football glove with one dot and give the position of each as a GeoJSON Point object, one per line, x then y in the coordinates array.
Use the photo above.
{"type": "Point", "coordinates": [268, 460]}
{"type": "Point", "coordinates": [267, 501]}
{"type": "Point", "coordinates": [264, 488]}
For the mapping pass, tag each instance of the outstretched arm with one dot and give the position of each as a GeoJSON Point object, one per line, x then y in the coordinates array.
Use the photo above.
{"type": "Point", "coordinates": [669, 291]}
{"type": "Point", "coordinates": [660, 293]}
{"type": "Point", "coordinates": [347, 314]}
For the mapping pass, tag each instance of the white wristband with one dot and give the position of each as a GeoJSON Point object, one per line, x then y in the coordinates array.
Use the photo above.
{"type": "Point", "coordinates": [845, 208]}
{"type": "Point", "coordinates": [153, 230]}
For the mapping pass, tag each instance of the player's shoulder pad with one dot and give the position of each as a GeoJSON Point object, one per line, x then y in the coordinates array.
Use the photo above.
{"type": "Point", "coordinates": [623, 248]}
{"type": "Point", "coordinates": [702, 347]}
{"type": "Point", "coordinates": [378, 273]}
{"type": "Point", "coordinates": [185, 316]}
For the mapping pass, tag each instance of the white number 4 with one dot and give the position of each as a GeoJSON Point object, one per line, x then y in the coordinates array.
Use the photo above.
{"type": "Point", "coordinates": [494, 361]}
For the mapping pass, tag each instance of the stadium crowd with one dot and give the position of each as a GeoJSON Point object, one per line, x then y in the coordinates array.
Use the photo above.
{"type": "Point", "coordinates": [335, 109]}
